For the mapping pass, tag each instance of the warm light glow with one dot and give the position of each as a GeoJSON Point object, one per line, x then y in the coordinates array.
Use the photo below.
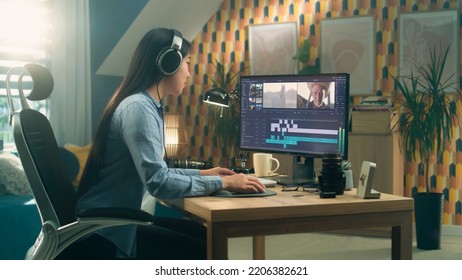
{"type": "Point", "coordinates": [175, 134]}
{"type": "Point", "coordinates": [25, 27]}
{"type": "Point", "coordinates": [171, 136]}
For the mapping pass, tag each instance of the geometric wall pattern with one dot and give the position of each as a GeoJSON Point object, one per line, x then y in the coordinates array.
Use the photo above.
{"type": "Point", "coordinates": [224, 38]}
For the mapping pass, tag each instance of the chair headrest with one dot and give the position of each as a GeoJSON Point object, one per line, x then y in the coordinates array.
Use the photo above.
{"type": "Point", "coordinates": [42, 79]}
{"type": "Point", "coordinates": [42, 85]}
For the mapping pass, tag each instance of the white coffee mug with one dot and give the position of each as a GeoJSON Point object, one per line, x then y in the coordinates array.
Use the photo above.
{"type": "Point", "coordinates": [262, 164]}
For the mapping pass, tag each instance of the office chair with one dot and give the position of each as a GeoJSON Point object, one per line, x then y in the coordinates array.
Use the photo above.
{"type": "Point", "coordinates": [51, 186]}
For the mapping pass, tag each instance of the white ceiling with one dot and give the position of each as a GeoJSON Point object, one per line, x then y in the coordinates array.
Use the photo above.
{"type": "Point", "coordinates": [188, 16]}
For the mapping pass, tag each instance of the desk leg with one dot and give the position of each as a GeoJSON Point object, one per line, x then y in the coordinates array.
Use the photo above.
{"type": "Point", "coordinates": [217, 243]}
{"type": "Point", "coordinates": [401, 240]}
{"type": "Point", "coordinates": [258, 247]}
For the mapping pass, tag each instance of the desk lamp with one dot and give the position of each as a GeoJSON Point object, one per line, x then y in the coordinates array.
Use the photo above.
{"type": "Point", "coordinates": [42, 85]}
{"type": "Point", "coordinates": [220, 97]}
{"type": "Point", "coordinates": [217, 96]}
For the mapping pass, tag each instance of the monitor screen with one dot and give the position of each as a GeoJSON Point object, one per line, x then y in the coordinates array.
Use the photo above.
{"type": "Point", "coordinates": [301, 115]}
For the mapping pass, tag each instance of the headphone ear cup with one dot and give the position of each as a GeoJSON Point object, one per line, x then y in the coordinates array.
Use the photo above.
{"type": "Point", "coordinates": [169, 61]}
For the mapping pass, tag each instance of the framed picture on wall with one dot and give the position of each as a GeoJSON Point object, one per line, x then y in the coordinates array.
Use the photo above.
{"type": "Point", "coordinates": [348, 46]}
{"type": "Point", "coordinates": [272, 48]}
{"type": "Point", "coordinates": [435, 30]}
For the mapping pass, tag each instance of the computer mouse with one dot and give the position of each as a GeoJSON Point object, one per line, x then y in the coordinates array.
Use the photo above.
{"type": "Point", "coordinates": [222, 193]}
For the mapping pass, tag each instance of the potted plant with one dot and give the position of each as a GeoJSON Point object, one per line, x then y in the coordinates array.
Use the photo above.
{"type": "Point", "coordinates": [427, 113]}
{"type": "Point", "coordinates": [348, 174]}
{"type": "Point", "coordinates": [225, 124]}
{"type": "Point", "coordinates": [303, 57]}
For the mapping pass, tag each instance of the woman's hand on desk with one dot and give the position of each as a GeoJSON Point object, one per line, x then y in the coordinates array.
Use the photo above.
{"type": "Point", "coordinates": [242, 183]}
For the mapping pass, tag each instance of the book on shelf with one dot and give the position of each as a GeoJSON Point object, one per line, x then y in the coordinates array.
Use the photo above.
{"type": "Point", "coordinates": [372, 108]}
{"type": "Point", "coordinates": [374, 103]}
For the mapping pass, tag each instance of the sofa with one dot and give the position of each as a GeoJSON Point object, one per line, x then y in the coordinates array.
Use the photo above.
{"type": "Point", "coordinates": [20, 221]}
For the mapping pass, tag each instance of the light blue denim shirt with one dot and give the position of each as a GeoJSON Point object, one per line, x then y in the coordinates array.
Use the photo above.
{"type": "Point", "coordinates": [134, 163]}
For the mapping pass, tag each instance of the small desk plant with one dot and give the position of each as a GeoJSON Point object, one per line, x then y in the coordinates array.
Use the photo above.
{"type": "Point", "coordinates": [348, 174]}
{"type": "Point", "coordinates": [426, 116]}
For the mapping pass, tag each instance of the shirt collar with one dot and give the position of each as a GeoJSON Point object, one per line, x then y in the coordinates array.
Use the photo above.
{"type": "Point", "coordinates": [156, 103]}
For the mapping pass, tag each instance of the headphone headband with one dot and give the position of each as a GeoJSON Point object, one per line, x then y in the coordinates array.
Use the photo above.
{"type": "Point", "coordinates": [177, 40]}
{"type": "Point", "coordinates": [170, 58]}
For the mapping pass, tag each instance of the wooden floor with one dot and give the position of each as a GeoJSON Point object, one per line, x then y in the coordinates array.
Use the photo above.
{"type": "Point", "coordinates": [342, 246]}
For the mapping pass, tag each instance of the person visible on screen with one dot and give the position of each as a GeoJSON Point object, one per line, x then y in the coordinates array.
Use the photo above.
{"type": "Point", "coordinates": [127, 159]}
{"type": "Point", "coordinates": [318, 92]}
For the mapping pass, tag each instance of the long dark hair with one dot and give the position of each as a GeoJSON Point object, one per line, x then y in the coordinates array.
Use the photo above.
{"type": "Point", "coordinates": [142, 73]}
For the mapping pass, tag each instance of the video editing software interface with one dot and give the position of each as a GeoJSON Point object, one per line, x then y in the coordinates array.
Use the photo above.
{"type": "Point", "coordinates": [302, 115]}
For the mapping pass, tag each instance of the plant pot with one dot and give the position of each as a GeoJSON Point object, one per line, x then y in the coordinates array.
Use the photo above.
{"type": "Point", "coordinates": [428, 209]}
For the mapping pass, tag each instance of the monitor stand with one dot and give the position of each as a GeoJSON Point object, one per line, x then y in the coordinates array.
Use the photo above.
{"type": "Point", "coordinates": [302, 172]}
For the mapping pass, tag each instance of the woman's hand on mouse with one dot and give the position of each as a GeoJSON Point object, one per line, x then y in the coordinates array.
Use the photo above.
{"type": "Point", "coordinates": [243, 183]}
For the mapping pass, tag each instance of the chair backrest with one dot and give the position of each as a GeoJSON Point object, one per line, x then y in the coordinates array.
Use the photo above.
{"type": "Point", "coordinates": [39, 153]}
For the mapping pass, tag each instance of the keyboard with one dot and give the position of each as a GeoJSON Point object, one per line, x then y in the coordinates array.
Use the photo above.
{"type": "Point", "coordinates": [267, 182]}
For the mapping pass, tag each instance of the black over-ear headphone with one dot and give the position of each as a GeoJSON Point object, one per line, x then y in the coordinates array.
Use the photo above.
{"type": "Point", "coordinates": [170, 58]}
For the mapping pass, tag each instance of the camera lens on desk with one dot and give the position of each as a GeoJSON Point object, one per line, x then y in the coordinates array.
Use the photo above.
{"type": "Point", "coordinates": [191, 164]}
{"type": "Point", "coordinates": [332, 179]}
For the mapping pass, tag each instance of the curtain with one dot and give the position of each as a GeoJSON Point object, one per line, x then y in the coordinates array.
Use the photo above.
{"type": "Point", "coordinates": [70, 102]}
{"type": "Point", "coordinates": [25, 37]}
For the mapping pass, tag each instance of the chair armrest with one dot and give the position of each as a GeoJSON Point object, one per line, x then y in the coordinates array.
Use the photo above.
{"type": "Point", "coordinates": [52, 240]}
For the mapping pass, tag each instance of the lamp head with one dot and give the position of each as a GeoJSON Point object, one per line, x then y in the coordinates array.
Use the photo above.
{"type": "Point", "coordinates": [217, 96]}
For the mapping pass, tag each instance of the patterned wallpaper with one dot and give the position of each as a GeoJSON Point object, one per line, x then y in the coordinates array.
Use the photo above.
{"type": "Point", "coordinates": [224, 38]}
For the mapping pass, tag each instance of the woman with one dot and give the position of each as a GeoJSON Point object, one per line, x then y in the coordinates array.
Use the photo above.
{"type": "Point", "coordinates": [127, 158]}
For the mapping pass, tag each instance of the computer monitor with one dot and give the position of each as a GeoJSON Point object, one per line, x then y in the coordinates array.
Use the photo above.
{"type": "Point", "coordinates": [305, 116]}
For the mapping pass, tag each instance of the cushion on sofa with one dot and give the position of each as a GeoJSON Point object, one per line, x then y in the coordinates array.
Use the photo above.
{"type": "Point", "coordinates": [13, 180]}
{"type": "Point", "coordinates": [82, 154]}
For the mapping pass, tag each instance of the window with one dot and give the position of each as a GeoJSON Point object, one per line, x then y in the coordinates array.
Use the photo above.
{"type": "Point", "coordinates": [25, 37]}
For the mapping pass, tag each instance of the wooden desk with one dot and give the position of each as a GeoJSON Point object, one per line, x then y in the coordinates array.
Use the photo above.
{"type": "Point", "coordinates": [296, 212]}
